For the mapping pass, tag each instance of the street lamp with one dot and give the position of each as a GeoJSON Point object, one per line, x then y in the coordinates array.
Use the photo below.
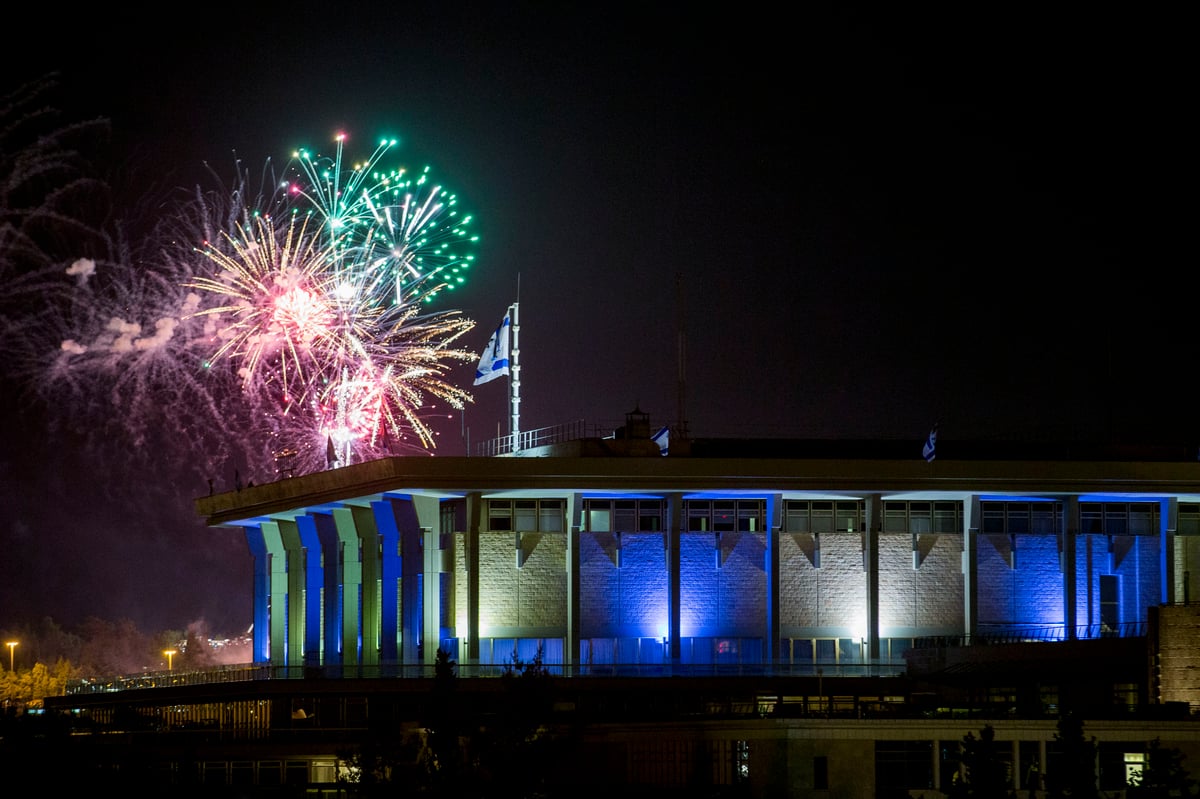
{"type": "Point", "coordinates": [170, 653]}
{"type": "Point", "coordinates": [12, 649]}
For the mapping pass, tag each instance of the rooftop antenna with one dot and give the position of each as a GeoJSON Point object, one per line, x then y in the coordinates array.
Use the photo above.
{"type": "Point", "coordinates": [514, 379]}
{"type": "Point", "coordinates": [680, 410]}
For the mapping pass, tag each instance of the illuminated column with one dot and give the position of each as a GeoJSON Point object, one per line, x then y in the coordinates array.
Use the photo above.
{"type": "Point", "coordinates": [277, 592]}
{"type": "Point", "coordinates": [1168, 523]}
{"type": "Point", "coordinates": [411, 562]}
{"type": "Point", "coordinates": [369, 553]}
{"type": "Point", "coordinates": [295, 620]}
{"type": "Point", "coordinates": [260, 616]}
{"type": "Point", "coordinates": [771, 566]}
{"type": "Point", "coordinates": [428, 517]}
{"type": "Point", "coordinates": [574, 524]}
{"type": "Point", "coordinates": [314, 576]}
{"type": "Point", "coordinates": [390, 570]}
{"type": "Point", "coordinates": [970, 565]}
{"type": "Point", "coordinates": [673, 527]}
{"type": "Point", "coordinates": [874, 521]}
{"type": "Point", "coordinates": [351, 585]}
{"type": "Point", "coordinates": [1070, 531]}
{"type": "Point", "coordinates": [331, 582]}
{"type": "Point", "coordinates": [474, 510]}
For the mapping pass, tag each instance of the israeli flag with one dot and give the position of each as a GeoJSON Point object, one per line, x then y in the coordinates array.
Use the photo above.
{"type": "Point", "coordinates": [661, 438]}
{"type": "Point", "coordinates": [494, 361]}
{"type": "Point", "coordinates": [930, 448]}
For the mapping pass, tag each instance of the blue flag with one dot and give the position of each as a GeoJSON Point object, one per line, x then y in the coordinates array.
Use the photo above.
{"type": "Point", "coordinates": [930, 448]}
{"type": "Point", "coordinates": [494, 361]}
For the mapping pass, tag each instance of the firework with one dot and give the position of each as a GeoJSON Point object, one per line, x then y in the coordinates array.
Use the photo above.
{"type": "Point", "coordinates": [323, 308]}
{"type": "Point", "coordinates": [298, 315]}
{"type": "Point", "coordinates": [393, 237]}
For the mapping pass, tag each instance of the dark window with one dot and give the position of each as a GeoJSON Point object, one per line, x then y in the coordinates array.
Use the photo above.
{"type": "Point", "coordinates": [1110, 609]}
{"type": "Point", "coordinates": [903, 765]}
{"type": "Point", "coordinates": [821, 773]}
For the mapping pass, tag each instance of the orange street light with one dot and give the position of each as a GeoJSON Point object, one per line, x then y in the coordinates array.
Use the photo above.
{"type": "Point", "coordinates": [170, 653]}
{"type": "Point", "coordinates": [12, 649]}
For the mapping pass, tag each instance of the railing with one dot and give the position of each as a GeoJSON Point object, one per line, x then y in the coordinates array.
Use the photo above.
{"type": "Point", "coordinates": [1014, 634]}
{"type": "Point", "coordinates": [265, 671]}
{"type": "Point", "coordinates": [528, 439]}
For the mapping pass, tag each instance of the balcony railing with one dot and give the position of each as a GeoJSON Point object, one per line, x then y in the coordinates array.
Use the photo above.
{"type": "Point", "coordinates": [264, 671]}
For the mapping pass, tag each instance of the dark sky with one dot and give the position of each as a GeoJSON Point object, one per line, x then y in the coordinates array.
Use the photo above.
{"type": "Point", "coordinates": [862, 223]}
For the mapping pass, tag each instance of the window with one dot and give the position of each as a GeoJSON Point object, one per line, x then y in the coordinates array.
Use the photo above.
{"type": "Point", "coordinates": [500, 515]}
{"type": "Point", "coordinates": [1135, 764]}
{"type": "Point", "coordinates": [1189, 519]}
{"type": "Point", "coordinates": [448, 516]}
{"type": "Point", "coordinates": [821, 517]}
{"type": "Point", "coordinates": [821, 773]}
{"type": "Point", "coordinates": [725, 515]}
{"type": "Point", "coordinates": [903, 765]}
{"type": "Point", "coordinates": [1020, 518]}
{"type": "Point", "coordinates": [623, 515]}
{"type": "Point", "coordinates": [1110, 608]}
{"type": "Point", "coordinates": [526, 515]}
{"type": "Point", "coordinates": [1119, 518]}
{"type": "Point", "coordinates": [741, 761]}
{"type": "Point", "coordinates": [922, 517]}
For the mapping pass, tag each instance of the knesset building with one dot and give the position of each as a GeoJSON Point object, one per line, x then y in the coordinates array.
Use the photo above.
{"type": "Point", "coordinates": [599, 553]}
{"type": "Point", "coordinates": [777, 618]}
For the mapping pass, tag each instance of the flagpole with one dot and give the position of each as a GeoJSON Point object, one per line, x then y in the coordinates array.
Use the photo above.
{"type": "Point", "coordinates": [514, 377]}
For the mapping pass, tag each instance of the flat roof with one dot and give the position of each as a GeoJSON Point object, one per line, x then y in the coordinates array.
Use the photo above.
{"type": "Point", "coordinates": [827, 476]}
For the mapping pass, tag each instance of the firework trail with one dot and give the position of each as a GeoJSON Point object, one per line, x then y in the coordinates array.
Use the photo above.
{"type": "Point", "coordinates": [320, 306]}
{"type": "Point", "coordinates": [52, 207]}
{"type": "Point", "coordinates": [271, 327]}
{"type": "Point", "coordinates": [393, 238]}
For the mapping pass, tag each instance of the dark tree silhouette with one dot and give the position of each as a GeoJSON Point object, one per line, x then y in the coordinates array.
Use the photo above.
{"type": "Point", "coordinates": [1164, 775]}
{"type": "Point", "coordinates": [1073, 772]}
{"type": "Point", "coordinates": [443, 756]}
{"type": "Point", "coordinates": [984, 775]}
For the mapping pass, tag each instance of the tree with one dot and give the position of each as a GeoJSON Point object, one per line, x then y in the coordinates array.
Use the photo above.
{"type": "Point", "coordinates": [443, 755]}
{"type": "Point", "coordinates": [983, 775]}
{"type": "Point", "coordinates": [1163, 776]}
{"type": "Point", "coordinates": [1073, 772]}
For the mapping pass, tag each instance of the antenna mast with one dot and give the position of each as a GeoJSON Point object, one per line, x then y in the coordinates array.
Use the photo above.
{"type": "Point", "coordinates": [680, 410]}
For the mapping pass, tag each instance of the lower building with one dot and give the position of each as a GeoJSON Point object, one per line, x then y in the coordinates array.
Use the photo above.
{"type": "Point", "coordinates": [776, 618]}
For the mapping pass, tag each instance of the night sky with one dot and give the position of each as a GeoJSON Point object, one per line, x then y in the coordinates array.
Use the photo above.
{"type": "Point", "coordinates": [860, 223]}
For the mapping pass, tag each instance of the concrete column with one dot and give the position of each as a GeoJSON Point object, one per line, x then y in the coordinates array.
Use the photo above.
{"type": "Point", "coordinates": [674, 526]}
{"type": "Point", "coordinates": [260, 617]}
{"type": "Point", "coordinates": [371, 554]}
{"type": "Point", "coordinates": [411, 562]}
{"type": "Point", "coordinates": [389, 580]}
{"type": "Point", "coordinates": [351, 585]}
{"type": "Point", "coordinates": [331, 585]}
{"type": "Point", "coordinates": [428, 516]}
{"type": "Point", "coordinates": [937, 765]}
{"type": "Point", "coordinates": [1016, 763]}
{"type": "Point", "coordinates": [972, 516]}
{"type": "Point", "coordinates": [277, 623]}
{"type": "Point", "coordinates": [306, 528]}
{"type": "Point", "coordinates": [289, 534]}
{"type": "Point", "coordinates": [474, 509]}
{"type": "Point", "coordinates": [1168, 523]}
{"type": "Point", "coordinates": [774, 524]}
{"type": "Point", "coordinates": [574, 525]}
{"type": "Point", "coordinates": [1069, 536]}
{"type": "Point", "coordinates": [874, 524]}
